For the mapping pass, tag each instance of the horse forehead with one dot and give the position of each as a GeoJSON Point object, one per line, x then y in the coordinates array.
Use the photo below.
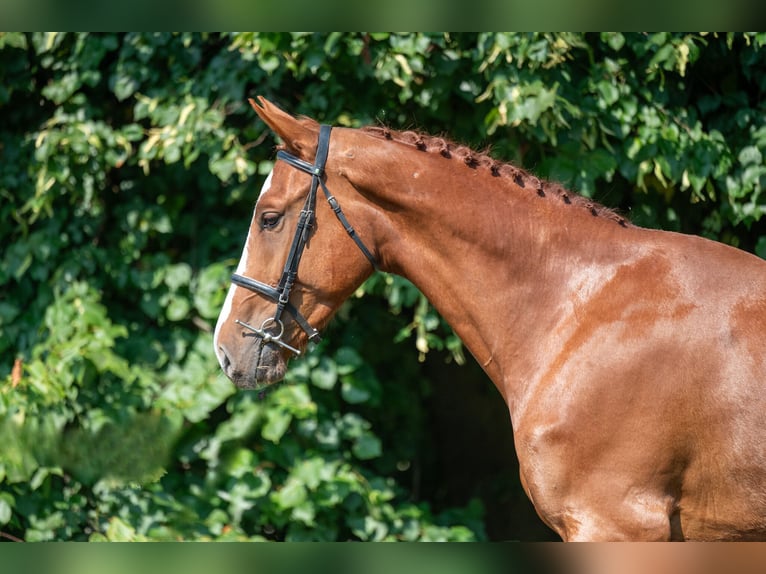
{"type": "Point", "coordinates": [284, 183]}
{"type": "Point", "coordinates": [266, 186]}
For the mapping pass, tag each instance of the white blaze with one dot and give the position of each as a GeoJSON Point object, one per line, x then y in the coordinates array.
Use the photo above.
{"type": "Point", "coordinates": [241, 267]}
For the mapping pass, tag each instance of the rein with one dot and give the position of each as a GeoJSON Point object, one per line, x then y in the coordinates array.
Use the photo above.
{"type": "Point", "coordinates": [272, 328]}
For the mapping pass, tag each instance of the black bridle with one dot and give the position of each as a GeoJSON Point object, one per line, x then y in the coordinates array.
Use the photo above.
{"type": "Point", "coordinates": [281, 293]}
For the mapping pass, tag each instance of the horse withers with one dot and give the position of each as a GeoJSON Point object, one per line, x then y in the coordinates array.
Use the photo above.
{"type": "Point", "coordinates": [632, 360]}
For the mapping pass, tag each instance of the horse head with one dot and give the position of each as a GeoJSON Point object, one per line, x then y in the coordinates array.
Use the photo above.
{"type": "Point", "coordinates": [298, 264]}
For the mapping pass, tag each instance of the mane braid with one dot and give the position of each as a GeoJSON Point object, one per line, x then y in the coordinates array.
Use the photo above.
{"type": "Point", "coordinates": [478, 160]}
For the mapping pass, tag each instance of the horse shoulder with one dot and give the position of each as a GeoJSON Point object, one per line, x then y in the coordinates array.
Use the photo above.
{"type": "Point", "coordinates": [654, 387]}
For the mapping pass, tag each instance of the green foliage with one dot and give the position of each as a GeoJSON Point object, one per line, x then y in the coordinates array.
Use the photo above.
{"type": "Point", "coordinates": [129, 164]}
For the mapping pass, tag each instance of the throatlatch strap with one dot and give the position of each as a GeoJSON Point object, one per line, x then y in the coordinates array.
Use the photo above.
{"type": "Point", "coordinates": [347, 226]}
{"type": "Point", "coordinates": [317, 172]}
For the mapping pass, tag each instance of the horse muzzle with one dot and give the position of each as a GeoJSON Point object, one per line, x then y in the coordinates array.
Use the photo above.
{"type": "Point", "coordinates": [255, 365]}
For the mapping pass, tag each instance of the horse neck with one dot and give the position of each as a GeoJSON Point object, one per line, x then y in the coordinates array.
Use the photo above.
{"type": "Point", "coordinates": [498, 261]}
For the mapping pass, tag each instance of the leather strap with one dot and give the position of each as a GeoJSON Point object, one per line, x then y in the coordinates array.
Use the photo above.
{"type": "Point", "coordinates": [281, 294]}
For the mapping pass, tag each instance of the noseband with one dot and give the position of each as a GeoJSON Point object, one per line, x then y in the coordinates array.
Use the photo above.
{"type": "Point", "coordinates": [272, 329]}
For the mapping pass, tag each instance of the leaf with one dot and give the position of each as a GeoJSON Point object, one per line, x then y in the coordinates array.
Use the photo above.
{"type": "Point", "coordinates": [367, 447]}
{"type": "Point", "coordinates": [120, 531]}
{"type": "Point", "coordinates": [277, 423]}
{"type": "Point", "coordinates": [304, 513]}
{"type": "Point", "coordinates": [240, 463]}
{"type": "Point", "coordinates": [311, 472]}
{"type": "Point", "coordinates": [178, 275]}
{"type": "Point", "coordinates": [609, 92]}
{"type": "Point", "coordinates": [352, 392]}
{"type": "Point", "coordinates": [6, 508]}
{"type": "Point", "coordinates": [615, 40]}
{"type": "Point", "coordinates": [348, 360]}
{"type": "Point", "coordinates": [13, 39]}
{"type": "Point", "coordinates": [209, 291]}
{"type": "Point", "coordinates": [750, 155]}
{"type": "Point", "coordinates": [8, 312]}
{"type": "Point", "coordinates": [223, 167]}
{"type": "Point", "coordinates": [124, 86]}
{"type": "Point", "coordinates": [292, 494]}
{"type": "Point", "coordinates": [369, 528]}
{"type": "Point", "coordinates": [325, 374]}
{"type": "Point", "coordinates": [178, 308]}
{"type": "Point", "coordinates": [241, 422]}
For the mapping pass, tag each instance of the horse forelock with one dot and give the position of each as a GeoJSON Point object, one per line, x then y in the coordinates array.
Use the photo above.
{"type": "Point", "coordinates": [483, 160]}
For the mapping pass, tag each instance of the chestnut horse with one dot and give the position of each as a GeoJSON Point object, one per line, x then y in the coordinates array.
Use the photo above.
{"type": "Point", "coordinates": [632, 360]}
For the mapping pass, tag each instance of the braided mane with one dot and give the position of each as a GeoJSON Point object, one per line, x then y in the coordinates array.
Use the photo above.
{"type": "Point", "coordinates": [482, 160]}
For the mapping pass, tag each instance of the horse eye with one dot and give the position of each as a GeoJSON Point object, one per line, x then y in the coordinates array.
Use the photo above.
{"type": "Point", "coordinates": [270, 220]}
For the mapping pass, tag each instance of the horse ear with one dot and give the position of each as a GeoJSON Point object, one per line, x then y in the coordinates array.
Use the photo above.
{"type": "Point", "coordinates": [299, 135]}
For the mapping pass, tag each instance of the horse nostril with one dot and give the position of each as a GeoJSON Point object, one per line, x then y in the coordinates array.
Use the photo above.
{"type": "Point", "coordinates": [225, 361]}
